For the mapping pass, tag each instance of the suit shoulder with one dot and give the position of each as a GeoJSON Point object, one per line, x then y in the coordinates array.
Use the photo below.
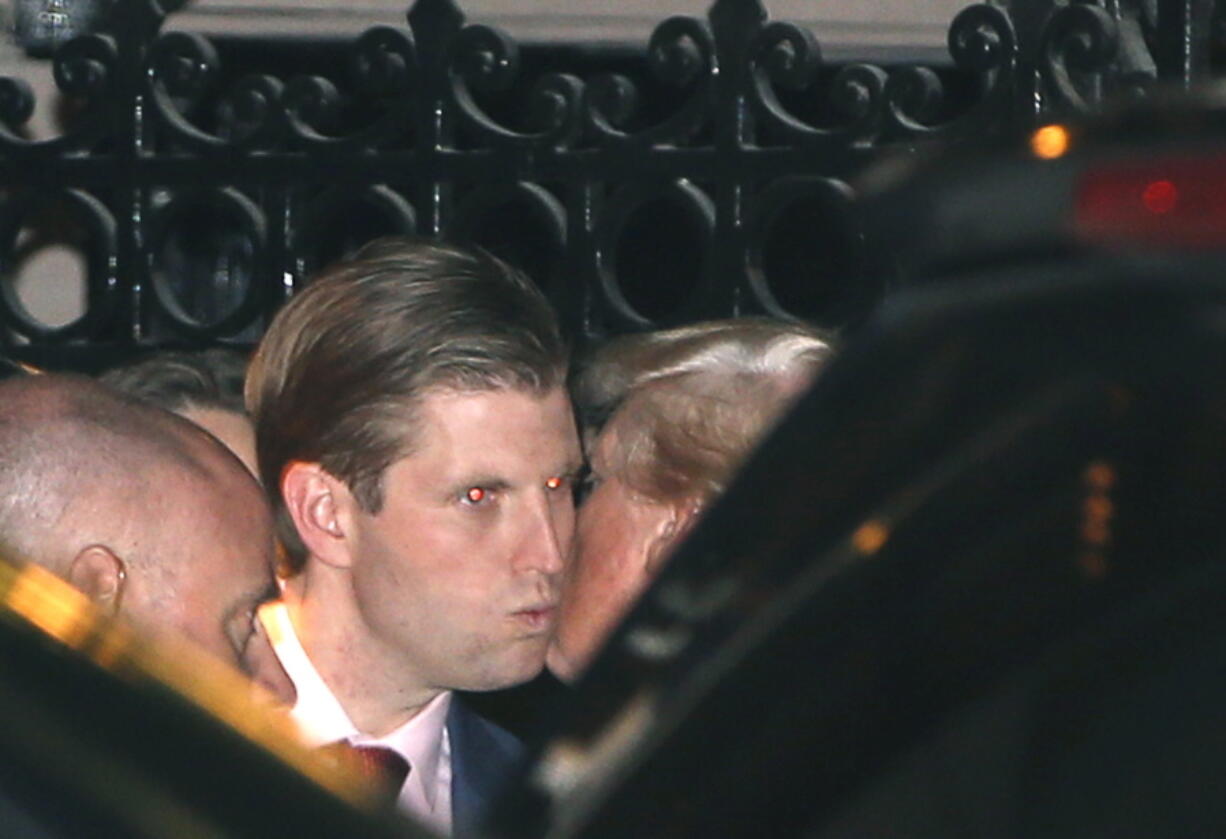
{"type": "Point", "coordinates": [476, 734]}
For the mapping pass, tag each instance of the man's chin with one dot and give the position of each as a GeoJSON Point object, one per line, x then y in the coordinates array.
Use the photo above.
{"type": "Point", "coordinates": [560, 665]}
{"type": "Point", "coordinates": [512, 673]}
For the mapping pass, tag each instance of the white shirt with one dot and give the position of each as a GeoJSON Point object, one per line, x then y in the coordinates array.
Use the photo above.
{"type": "Point", "coordinates": [422, 741]}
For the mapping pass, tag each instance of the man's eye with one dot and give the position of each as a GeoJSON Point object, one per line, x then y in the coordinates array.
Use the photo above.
{"type": "Point", "coordinates": [475, 495]}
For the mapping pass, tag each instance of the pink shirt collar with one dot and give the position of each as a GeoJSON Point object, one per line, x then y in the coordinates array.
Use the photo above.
{"type": "Point", "coordinates": [422, 741]}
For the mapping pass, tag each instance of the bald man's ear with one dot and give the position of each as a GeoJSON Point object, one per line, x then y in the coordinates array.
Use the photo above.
{"type": "Point", "coordinates": [317, 501]}
{"type": "Point", "coordinates": [670, 531]}
{"type": "Point", "coordinates": [101, 575]}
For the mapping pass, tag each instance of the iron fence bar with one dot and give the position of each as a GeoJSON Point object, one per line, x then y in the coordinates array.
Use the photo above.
{"type": "Point", "coordinates": [735, 127]}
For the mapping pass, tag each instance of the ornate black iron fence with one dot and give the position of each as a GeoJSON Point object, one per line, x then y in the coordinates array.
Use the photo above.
{"type": "Point", "coordinates": [710, 181]}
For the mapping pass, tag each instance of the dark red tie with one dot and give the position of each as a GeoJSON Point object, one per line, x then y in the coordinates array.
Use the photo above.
{"type": "Point", "coordinates": [384, 769]}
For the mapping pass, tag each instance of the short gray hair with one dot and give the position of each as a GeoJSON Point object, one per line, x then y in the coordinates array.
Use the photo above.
{"type": "Point", "coordinates": [180, 380]}
{"type": "Point", "coordinates": [692, 402]}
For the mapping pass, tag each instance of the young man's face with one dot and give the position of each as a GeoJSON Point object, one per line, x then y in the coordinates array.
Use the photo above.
{"type": "Point", "coordinates": [457, 576]}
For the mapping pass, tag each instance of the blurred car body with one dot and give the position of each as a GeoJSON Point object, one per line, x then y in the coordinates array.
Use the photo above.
{"type": "Point", "coordinates": [971, 586]}
{"type": "Point", "coordinates": [107, 733]}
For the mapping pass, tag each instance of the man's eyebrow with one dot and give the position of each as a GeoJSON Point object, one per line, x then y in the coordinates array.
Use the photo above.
{"type": "Point", "coordinates": [483, 481]}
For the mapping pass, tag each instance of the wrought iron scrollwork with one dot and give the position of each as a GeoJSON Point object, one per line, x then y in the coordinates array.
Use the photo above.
{"type": "Point", "coordinates": [383, 62]}
{"type": "Point", "coordinates": [539, 202]}
{"type": "Point", "coordinates": [1080, 42]}
{"type": "Point", "coordinates": [227, 297]}
{"type": "Point", "coordinates": [250, 112]}
{"type": "Point", "coordinates": [807, 225]}
{"type": "Point", "coordinates": [183, 68]}
{"type": "Point", "coordinates": [16, 102]}
{"type": "Point", "coordinates": [484, 59]}
{"type": "Point", "coordinates": [383, 67]}
{"type": "Point", "coordinates": [692, 207]}
{"type": "Point", "coordinates": [522, 222]}
{"type": "Point", "coordinates": [731, 138]}
{"type": "Point", "coordinates": [788, 56]}
{"type": "Point", "coordinates": [982, 42]}
{"type": "Point", "coordinates": [320, 234]}
{"type": "Point", "coordinates": [98, 246]}
{"type": "Point", "coordinates": [681, 54]}
{"type": "Point", "coordinates": [84, 69]}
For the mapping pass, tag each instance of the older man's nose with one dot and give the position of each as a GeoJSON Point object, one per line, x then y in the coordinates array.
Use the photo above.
{"type": "Point", "coordinates": [265, 669]}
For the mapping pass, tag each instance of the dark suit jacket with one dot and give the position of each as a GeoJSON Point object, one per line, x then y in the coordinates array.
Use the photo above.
{"type": "Point", "coordinates": [482, 756]}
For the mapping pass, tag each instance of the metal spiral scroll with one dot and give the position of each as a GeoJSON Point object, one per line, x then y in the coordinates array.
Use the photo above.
{"type": "Point", "coordinates": [681, 53]}
{"type": "Point", "coordinates": [540, 243]}
{"type": "Point", "coordinates": [383, 67]}
{"type": "Point", "coordinates": [249, 219]}
{"type": "Point", "coordinates": [486, 59]}
{"type": "Point", "coordinates": [776, 202]}
{"type": "Point", "coordinates": [1078, 39]}
{"type": "Point", "coordinates": [788, 56]}
{"type": "Point", "coordinates": [326, 213]}
{"type": "Point", "coordinates": [183, 68]}
{"type": "Point", "coordinates": [100, 252]}
{"type": "Point", "coordinates": [692, 204]}
{"type": "Point", "coordinates": [981, 41]}
{"type": "Point", "coordinates": [85, 69]}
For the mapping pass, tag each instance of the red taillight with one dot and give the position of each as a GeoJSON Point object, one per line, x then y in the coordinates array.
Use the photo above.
{"type": "Point", "coordinates": [1165, 202]}
{"type": "Point", "coordinates": [1160, 197]}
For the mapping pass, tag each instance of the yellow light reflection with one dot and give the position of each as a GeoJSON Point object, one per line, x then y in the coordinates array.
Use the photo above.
{"type": "Point", "coordinates": [1100, 476]}
{"type": "Point", "coordinates": [32, 594]}
{"type": "Point", "coordinates": [1098, 508]}
{"type": "Point", "coordinates": [870, 537]}
{"type": "Point", "coordinates": [275, 620]}
{"type": "Point", "coordinates": [1093, 564]}
{"type": "Point", "coordinates": [1097, 514]}
{"type": "Point", "coordinates": [49, 603]}
{"type": "Point", "coordinates": [1050, 142]}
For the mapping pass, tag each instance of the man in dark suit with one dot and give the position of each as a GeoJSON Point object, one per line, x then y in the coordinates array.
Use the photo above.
{"type": "Point", "coordinates": [414, 432]}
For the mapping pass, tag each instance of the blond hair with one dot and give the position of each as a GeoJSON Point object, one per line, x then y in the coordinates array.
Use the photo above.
{"type": "Point", "coordinates": [691, 403]}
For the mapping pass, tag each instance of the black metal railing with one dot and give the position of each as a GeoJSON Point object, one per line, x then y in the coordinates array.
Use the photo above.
{"type": "Point", "coordinates": [712, 181]}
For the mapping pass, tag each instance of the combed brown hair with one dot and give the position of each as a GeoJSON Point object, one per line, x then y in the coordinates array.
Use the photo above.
{"type": "Point", "coordinates": [692, 402]}
{"type": "Point", "coordinates": [337, 376]}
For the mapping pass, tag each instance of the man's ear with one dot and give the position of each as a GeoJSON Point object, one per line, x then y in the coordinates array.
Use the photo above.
{"type": "Point", "coordinates": [675, 523]}
{"type": "Point", "coordinates": [316, 501]}
{"type": "Point", "coordinates": [101, 575]}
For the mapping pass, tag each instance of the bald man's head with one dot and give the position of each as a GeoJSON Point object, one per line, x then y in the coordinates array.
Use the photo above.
{"type": "Point", "coordinates": [141, 510]}
{"type": "Point", "coordinates": [70, 451]}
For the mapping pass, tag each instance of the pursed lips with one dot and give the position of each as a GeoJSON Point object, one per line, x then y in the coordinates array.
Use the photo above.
{"type": "Point", "coordinates": [538, 617]}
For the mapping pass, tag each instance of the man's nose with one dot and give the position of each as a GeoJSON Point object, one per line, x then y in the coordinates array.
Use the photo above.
{"type": "Point", "coordinates": [546, 540]}
{"type": "Point", "coordinates": [265, 670]}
